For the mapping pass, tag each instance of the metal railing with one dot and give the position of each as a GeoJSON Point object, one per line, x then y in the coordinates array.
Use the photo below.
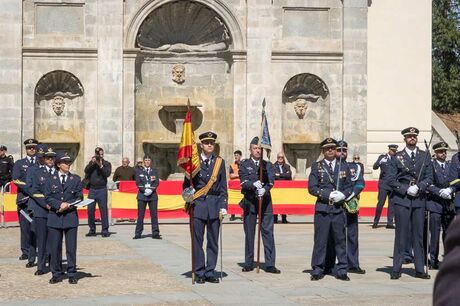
{"type": "Point", "coordinates": [2, 214]}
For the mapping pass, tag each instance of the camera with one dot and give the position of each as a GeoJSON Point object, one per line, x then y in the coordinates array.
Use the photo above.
{"type": "Point", "coordinates": [97, 151]}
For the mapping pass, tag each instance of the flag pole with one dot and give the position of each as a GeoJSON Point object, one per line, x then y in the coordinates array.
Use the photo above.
{"type": "Point", "coordinates": [259, 210]}
{"type": "Point", "coordinates": [192, 229]}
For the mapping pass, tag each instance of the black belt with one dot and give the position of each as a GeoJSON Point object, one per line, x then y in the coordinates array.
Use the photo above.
{"type": "Point", "coordinates": [409, 182]}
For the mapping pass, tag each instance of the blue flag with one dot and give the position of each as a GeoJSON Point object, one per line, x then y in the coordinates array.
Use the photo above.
{"type": "Point", "coordinates": [264, 137]}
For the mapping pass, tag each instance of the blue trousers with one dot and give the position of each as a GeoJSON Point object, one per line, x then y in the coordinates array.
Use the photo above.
{"type": "Point", "coordinates": [435, 234]}
{"type": "Point", "coordinates": [41, 234]}
{"type": "Point", "coordinates": [55, 236]}
{"type": "Point", "coordinates": [268, 238]}
{"type": "Point", "coordinates": [409, 220]}
{"type": "Point", "coordinates": [382, 196]}
{"type": "Point", "coordinates": [206, 268]}
{"type": "Point", "coordinates": [153, 207]}
{"type": "Point", "coordinates": [329, 225]}
{"type": "Point", "coordinates": [28, 241]}
{"type": "Point", "coordinates": [100, 197]}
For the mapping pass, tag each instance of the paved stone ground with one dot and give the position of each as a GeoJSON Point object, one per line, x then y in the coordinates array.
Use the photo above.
{"type": "Point", "coordinates": [122, 271]}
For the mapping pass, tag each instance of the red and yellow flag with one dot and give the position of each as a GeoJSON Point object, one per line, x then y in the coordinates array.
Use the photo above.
{"type": "Point", "coordinates": [187, 157]}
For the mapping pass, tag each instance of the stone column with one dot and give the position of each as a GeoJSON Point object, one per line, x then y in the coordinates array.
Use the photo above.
{"type": "Point", "coordinates": [110, 79]}
{"type": "Point", "coordinates": [11, 75]}
{"type": "Point", "coordinates": [129, 104]}
{"type": "Point", "coordinates": [240, 141]}
{"type": "Point", "coordinates": [355, 76]}
{"type": "Point", "coordinates": [259, 46]}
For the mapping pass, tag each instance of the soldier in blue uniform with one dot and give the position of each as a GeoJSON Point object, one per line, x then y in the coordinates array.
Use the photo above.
{"type": "Point", "coordinates": [454, 180]}
{"type": "Point", "coordinates": [62, 189]}
{"type": "Point", "coordinates": [147, 182]}
{"type": "Point", "coordinates": [210, 198]}
{"type": "Point", "coordinates": [37, 175]}
{"type": "Point", "coordinates": [252, 188]}
{"type": "Point", "coordinates": [357, 179]}
{"type": "Point", "coordinates": [329, 219]}
{"type": "Point", "coordinates": [384, 188]}
{"type": "Point", "coordinates": [409, 175]}
{"type": "Point", "coordinates": [19, 177]}
{"type": "Point", "coordinates": [439, 202]}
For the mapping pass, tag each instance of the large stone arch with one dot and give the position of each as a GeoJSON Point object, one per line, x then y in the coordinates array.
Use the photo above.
{"type": "Point", "coordinates": [216, 5]}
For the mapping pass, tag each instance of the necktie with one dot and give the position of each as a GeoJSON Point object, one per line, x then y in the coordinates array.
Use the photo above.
{"type": "Point", "coordinates": [257, 163]}
{"type": "Point", "coordinates": [412, 156]}
{"type": "Point", "coordinates": [63, 180]}
{"type": "Point", "coordinates": [206, 161]}
{"type": "Point", "coordinates": [330, 167]}
{"type": "Point", "coordinates": [442, 166]}
{"type": "Point", "coordinates": [50, 171]}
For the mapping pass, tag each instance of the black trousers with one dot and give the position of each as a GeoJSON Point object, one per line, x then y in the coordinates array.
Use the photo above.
{"type": "Point", "coordinates": [206, 268]}
{"type": "Point", "coordinates": [100, 197]}
{"type": "Point", "coordinates": [382, 196]}
{"type": "Point", "coordinates": [268, 238]}
{"type": "Point", "coordinates": [55, 236]}
{"type": "Point", "coordinates": [153, 207]}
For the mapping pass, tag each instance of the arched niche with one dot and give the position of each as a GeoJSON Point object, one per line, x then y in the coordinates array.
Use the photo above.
{"type": "Point", "coordinates": [185, 51]}
{"type": "Point", "coordinates": [59, 113]}
{"type": "Point", "coordinates": [306, 115]}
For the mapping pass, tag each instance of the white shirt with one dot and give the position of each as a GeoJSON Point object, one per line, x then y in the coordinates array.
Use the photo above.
{"type": "Point", "coordinates": [61, 174]}
{"type": "Point", "coordinates": [256, 162]}
{"type": "Point", "coordinates": [442, 164]}
{"type": "Point", "coordinates": [333, 162]}
{"type": "Point", "coordinates": [48, 170]}
{"type": "Point", "coordinates": [203, 157]}
{"type": "Point", "coordinates": [409, 152]}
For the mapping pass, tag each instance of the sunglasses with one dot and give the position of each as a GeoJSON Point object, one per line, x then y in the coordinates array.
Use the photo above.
{"type": "Point", "coordinates": [30, 148]}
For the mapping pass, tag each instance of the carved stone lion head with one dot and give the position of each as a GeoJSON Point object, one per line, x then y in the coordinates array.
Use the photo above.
{"type": "Point", "coordinates": [178, 73]}
{"type": "Point", "coordinates": [58, 105]}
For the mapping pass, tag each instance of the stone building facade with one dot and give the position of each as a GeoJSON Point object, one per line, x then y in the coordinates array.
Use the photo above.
{"type": "Point", "coordinates": [119, 73]}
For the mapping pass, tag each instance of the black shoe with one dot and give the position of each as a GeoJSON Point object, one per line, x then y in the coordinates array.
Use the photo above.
{"type": "Point", "coordinates": [357, 270]}
{"type": "Point", "coordinates": [105, 235]}
{"type": "Point", "coordinates": [284, 220]}
{"type": "Point", "coordinates": [39, 272]}
{"type": "Point", "coordinates": [316, 277]}
{"type": "Point", "coordinates": [212, 279]}
{"type": "Point", "coordinates": [247, 269]}
{"type": "Point", "coordinates": [422, 275]}
{"type": "Point", "coordinates": [232, 218]}
{"type": "Point", "coordinates": [327, 271]}
{"type": "Point", "coordinates": [73, 280]}
{"type": "Point", "coordinates": [30, 264]}
{"type": "Point", "coordinates": [23, 257]}
{"type": "Point", "coordinates": [137, 237]}
{"type": "Point", "coordinates": [408, 261]}
{"type": "Point", "coordinates": [55, 280]}
{"type": "Point", "coordinates": [375, 225]}
{"type": "Point", "coordinates": [395, 275]}
{"type": "Point", "coordinates": [434, 266]}
{"type": "Point", "coordinates": [91, 234]}
{"type": "Point", "coordinates": [200, 280]}
{"type": "Point", "coordinates": [390, 226]}
{"type": "Point", "coordinates": [343, 277]}
{"type": "Point", "coordinates": [272, 269]}
{"type": "Point", "coordinates": [157, 237]}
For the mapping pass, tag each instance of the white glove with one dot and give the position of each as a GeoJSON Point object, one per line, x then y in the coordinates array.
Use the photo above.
{"type": "Point", "coordinates": [223, 212]}
{"type": "Point", "coordinates": [187, 194]}
{"type": "Point", "coordinates": [261, 192]}
{"type": "Point", "coordinates": [338, 196]}
{"type": "Point", "coordinates": [148, 192]}
{"type": "Point", "coordinates": [412, 190]}
{"type": "Point", "coordinates": [446, 193]}
{"type": "Point", "coordinates": [383, 160]}
{"type": "Point", "coordinates": [257, 184]}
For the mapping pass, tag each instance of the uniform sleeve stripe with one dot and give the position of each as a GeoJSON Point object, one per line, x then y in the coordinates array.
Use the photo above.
{"type": "Point", "coordinates": [38, 195]}
{"type": "Point", "coordinates": [454, 182]}
{"type": "Point", "coordinates": [19, 182]}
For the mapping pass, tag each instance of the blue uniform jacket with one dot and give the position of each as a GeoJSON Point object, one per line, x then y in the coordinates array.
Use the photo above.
{"type": "Point", "coordinates": [454, 177]}
{"type": "Point", "coordinates": [434, 202]}
{"type": "Point", "coordinates": [322, 182]}
{"type": "Point", "coordinates": [36, 180]}
{"type": "Point", "coordinates": [249, 174]}
{"type": "Point", "coordinates": [20, 180]}
{"type": "Point", "coordinates": [357, 177]}
{"type": "Point", "coordinates": [383, 178]}
{"type": "Point", "coordinates": [403, 171]}
{"type": "Point", "coordinates": [55, 195]}
{"type": "Point", "coordinates": [142, 178]}
{"type": "Point", "coordinates": [208, 206]}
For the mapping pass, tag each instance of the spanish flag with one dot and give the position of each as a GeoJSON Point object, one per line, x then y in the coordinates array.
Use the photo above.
{"type": "Point", "coordinates": [187, 157]}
